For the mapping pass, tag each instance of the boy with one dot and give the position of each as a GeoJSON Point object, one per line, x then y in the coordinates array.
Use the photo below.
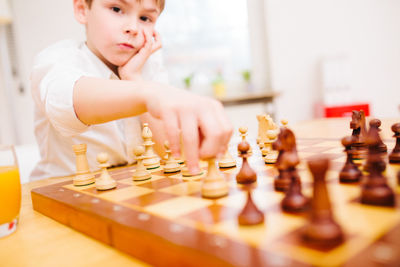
{"type": "Point", "coordinates": [91, 93]}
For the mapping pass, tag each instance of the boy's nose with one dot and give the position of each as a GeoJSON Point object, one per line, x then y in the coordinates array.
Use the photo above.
{"type": "Point", "coordinates": [132, 28]}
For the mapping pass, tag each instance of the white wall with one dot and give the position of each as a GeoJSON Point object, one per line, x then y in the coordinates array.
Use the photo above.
{"type": "Point", "coordinates": [301, 33]}
{"type": "Point", "coordinates": [37, 24]}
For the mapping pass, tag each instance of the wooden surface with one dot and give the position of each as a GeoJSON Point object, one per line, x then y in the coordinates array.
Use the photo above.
{"type": "Point", "coordinates": [40, 241]}
{"type": "Point", "coordinates": [249, 98]}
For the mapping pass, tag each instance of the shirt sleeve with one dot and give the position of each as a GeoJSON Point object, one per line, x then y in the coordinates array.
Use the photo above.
{"type": "Point", "coordinates": [56, 95]}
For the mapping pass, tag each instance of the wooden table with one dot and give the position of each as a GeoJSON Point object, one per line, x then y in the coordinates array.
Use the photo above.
{"type": "Point", "coordinates": [41, 241]}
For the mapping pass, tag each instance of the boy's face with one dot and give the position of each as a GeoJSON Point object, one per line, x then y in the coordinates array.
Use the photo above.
{"type": "Point", "coordinates": [115, 28]}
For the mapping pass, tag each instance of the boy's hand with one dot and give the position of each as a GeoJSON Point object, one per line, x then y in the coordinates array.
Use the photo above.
{"type": "Point", "coordinates": [200, 120]}
{"type": "Point", "coordinates": [133, 68]}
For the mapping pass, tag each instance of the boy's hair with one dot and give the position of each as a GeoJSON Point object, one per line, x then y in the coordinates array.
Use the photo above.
{"type": "Point", "coordinates": [159, 3]}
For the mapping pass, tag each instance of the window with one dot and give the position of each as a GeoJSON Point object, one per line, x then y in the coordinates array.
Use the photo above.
{"type": "Point", "coordinates": [202, 38]}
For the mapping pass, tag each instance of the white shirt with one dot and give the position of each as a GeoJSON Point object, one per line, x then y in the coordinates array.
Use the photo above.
{"type": "Point", "coordinates": [57, 128]}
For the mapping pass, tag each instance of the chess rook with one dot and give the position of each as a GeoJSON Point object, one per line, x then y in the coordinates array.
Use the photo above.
{"type": "Point", "coordinates": [322, 230]}
{"type": "Point", "coordinates": [83, 175]}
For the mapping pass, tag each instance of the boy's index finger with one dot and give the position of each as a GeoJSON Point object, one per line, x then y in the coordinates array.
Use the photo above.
{"type": "Point", "coordinates": [190, 136]}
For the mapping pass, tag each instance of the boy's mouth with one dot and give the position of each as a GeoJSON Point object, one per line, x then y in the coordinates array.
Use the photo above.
{"type": "Point", "coordinates": [126, 46]}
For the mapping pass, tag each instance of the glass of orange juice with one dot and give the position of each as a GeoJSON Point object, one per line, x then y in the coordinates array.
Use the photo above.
{"type": "Point", "coordinates": [10, 190]}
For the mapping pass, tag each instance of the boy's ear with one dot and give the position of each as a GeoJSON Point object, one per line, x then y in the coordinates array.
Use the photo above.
{"type": "Point", "coordinates": [80, 11]}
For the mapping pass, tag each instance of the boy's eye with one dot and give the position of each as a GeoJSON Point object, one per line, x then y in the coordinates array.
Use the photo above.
{"type": "Point", "coordinates": [116, 9]}
{"type": "Point", "coordinates": [144, 18]}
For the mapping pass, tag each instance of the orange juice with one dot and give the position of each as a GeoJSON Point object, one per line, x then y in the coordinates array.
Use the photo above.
{"type": "Point", "coordinates": [10, 193]}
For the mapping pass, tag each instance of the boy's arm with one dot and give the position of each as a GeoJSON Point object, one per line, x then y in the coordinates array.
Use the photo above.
{"type": "Point", "coordinates": [201, 120]}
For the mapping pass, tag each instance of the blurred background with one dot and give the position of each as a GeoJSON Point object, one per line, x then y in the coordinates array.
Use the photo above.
{"type": "Point", "coordinates": [314, 58]}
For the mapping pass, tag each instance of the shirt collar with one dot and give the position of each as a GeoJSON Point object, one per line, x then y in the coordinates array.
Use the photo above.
{"type": "Point", "coordinates": [102, 68]}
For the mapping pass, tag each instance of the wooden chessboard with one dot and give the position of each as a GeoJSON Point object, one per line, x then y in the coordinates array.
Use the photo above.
{"type": "Point", "coordinates": [165, 221]}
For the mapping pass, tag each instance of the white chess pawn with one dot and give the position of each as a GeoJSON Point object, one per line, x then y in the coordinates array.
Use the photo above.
{"type": "Point", "coordinates": [171, 165]}
{"type": "Point", "coordinates": [140, 173]}
{"type": "Point", "coordinates": [272, 155]}
{"type": "Point", "coordinates": [214, 185]}
{"type": "Point", "coordinates": [105, 181]}
{"type": "Point", "coordinates": [227, 161]}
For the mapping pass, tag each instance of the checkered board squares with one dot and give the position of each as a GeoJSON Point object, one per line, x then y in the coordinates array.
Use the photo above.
{"type": "Point", "coordinates": [175, 203]}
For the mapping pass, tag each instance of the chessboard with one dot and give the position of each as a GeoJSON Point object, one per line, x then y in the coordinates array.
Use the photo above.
{"type": "Point", "coordinates": [165, 221]}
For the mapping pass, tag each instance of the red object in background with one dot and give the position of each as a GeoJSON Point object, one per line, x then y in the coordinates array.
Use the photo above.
{"type": "Point", "coordinates": [345, 111]}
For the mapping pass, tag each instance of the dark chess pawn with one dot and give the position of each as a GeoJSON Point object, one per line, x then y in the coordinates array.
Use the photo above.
{"type": "Point", "coordinates": [394, 156]}
{"type": "Point", "coordinates": [377, 148]}
{"type": "Point", "coordinates": [250, 215]}
{"type": "Point", "coordinates": [294, 200]}
{"type": "Point", "coordinates": [375, 123]}
{"type": "Point", "coordinates": [246, 174]}
{"type": "Point", "coordinates": [322, 230]}
{"type": "Point", "coordinates": [287, 159]}
{"type": "Point", "coordinates": [350, 172]}
{"type": "Point", "coordinates": [375, 190]}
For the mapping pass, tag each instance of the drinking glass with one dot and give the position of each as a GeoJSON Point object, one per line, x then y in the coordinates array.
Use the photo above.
{"type": "Point", "coordinates": [10, 190]}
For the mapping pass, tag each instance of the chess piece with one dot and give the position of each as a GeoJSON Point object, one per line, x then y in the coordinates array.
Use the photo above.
{"type": "Point", "coordinates": [227, 161]}
{"type": "Point", "coordinates": [140, 173]}
{"type": "Point", "coordinates": [265, 123]}
{"type": "Point", "coordinates": [375, 190]}
{"type": "Point", "coordinates": [260, 145]}
{"type": "Point", "coordinates": [246, 174]}
{"type": "Point", "coordinates": [250, 215]}
{"type": "Point", "coordinates": [350, 172]}
{"type": "Point", "coordinates": [359, 132]}
{"type": "Point", "coordinates": [394, 156]}
{"type": "Point", "coordinates": [271, 155]}
{"type": "Point", "coordinates": [322, 230]}
{"type": "Point", "coordinates": [375, 149]}
{"type": "Point", "coordinates": [105, 181]}
{"type": "Point", "coordinates": [214, 185]}
{"type": "Point", "coordinates": [83, 175]}
{"type": "Point", "coordinates": [243, 134]}
{"type": "Point", "coordinates": [284, 123]}
{"type": "Point", "coordinates": [376, 123]}
{"type": "Point", "coordinates": [185, 172]}
{"type": "Point", "coordinates": [294, 201]}
{"type": "Point", "coordinates": [398, 177]}
{"type": "Point", "coordinates": [151, 160]}
{"type": "Point", "coordinates": [287, 158]}
{"type": "Point", "coordinates": [171, 165]}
